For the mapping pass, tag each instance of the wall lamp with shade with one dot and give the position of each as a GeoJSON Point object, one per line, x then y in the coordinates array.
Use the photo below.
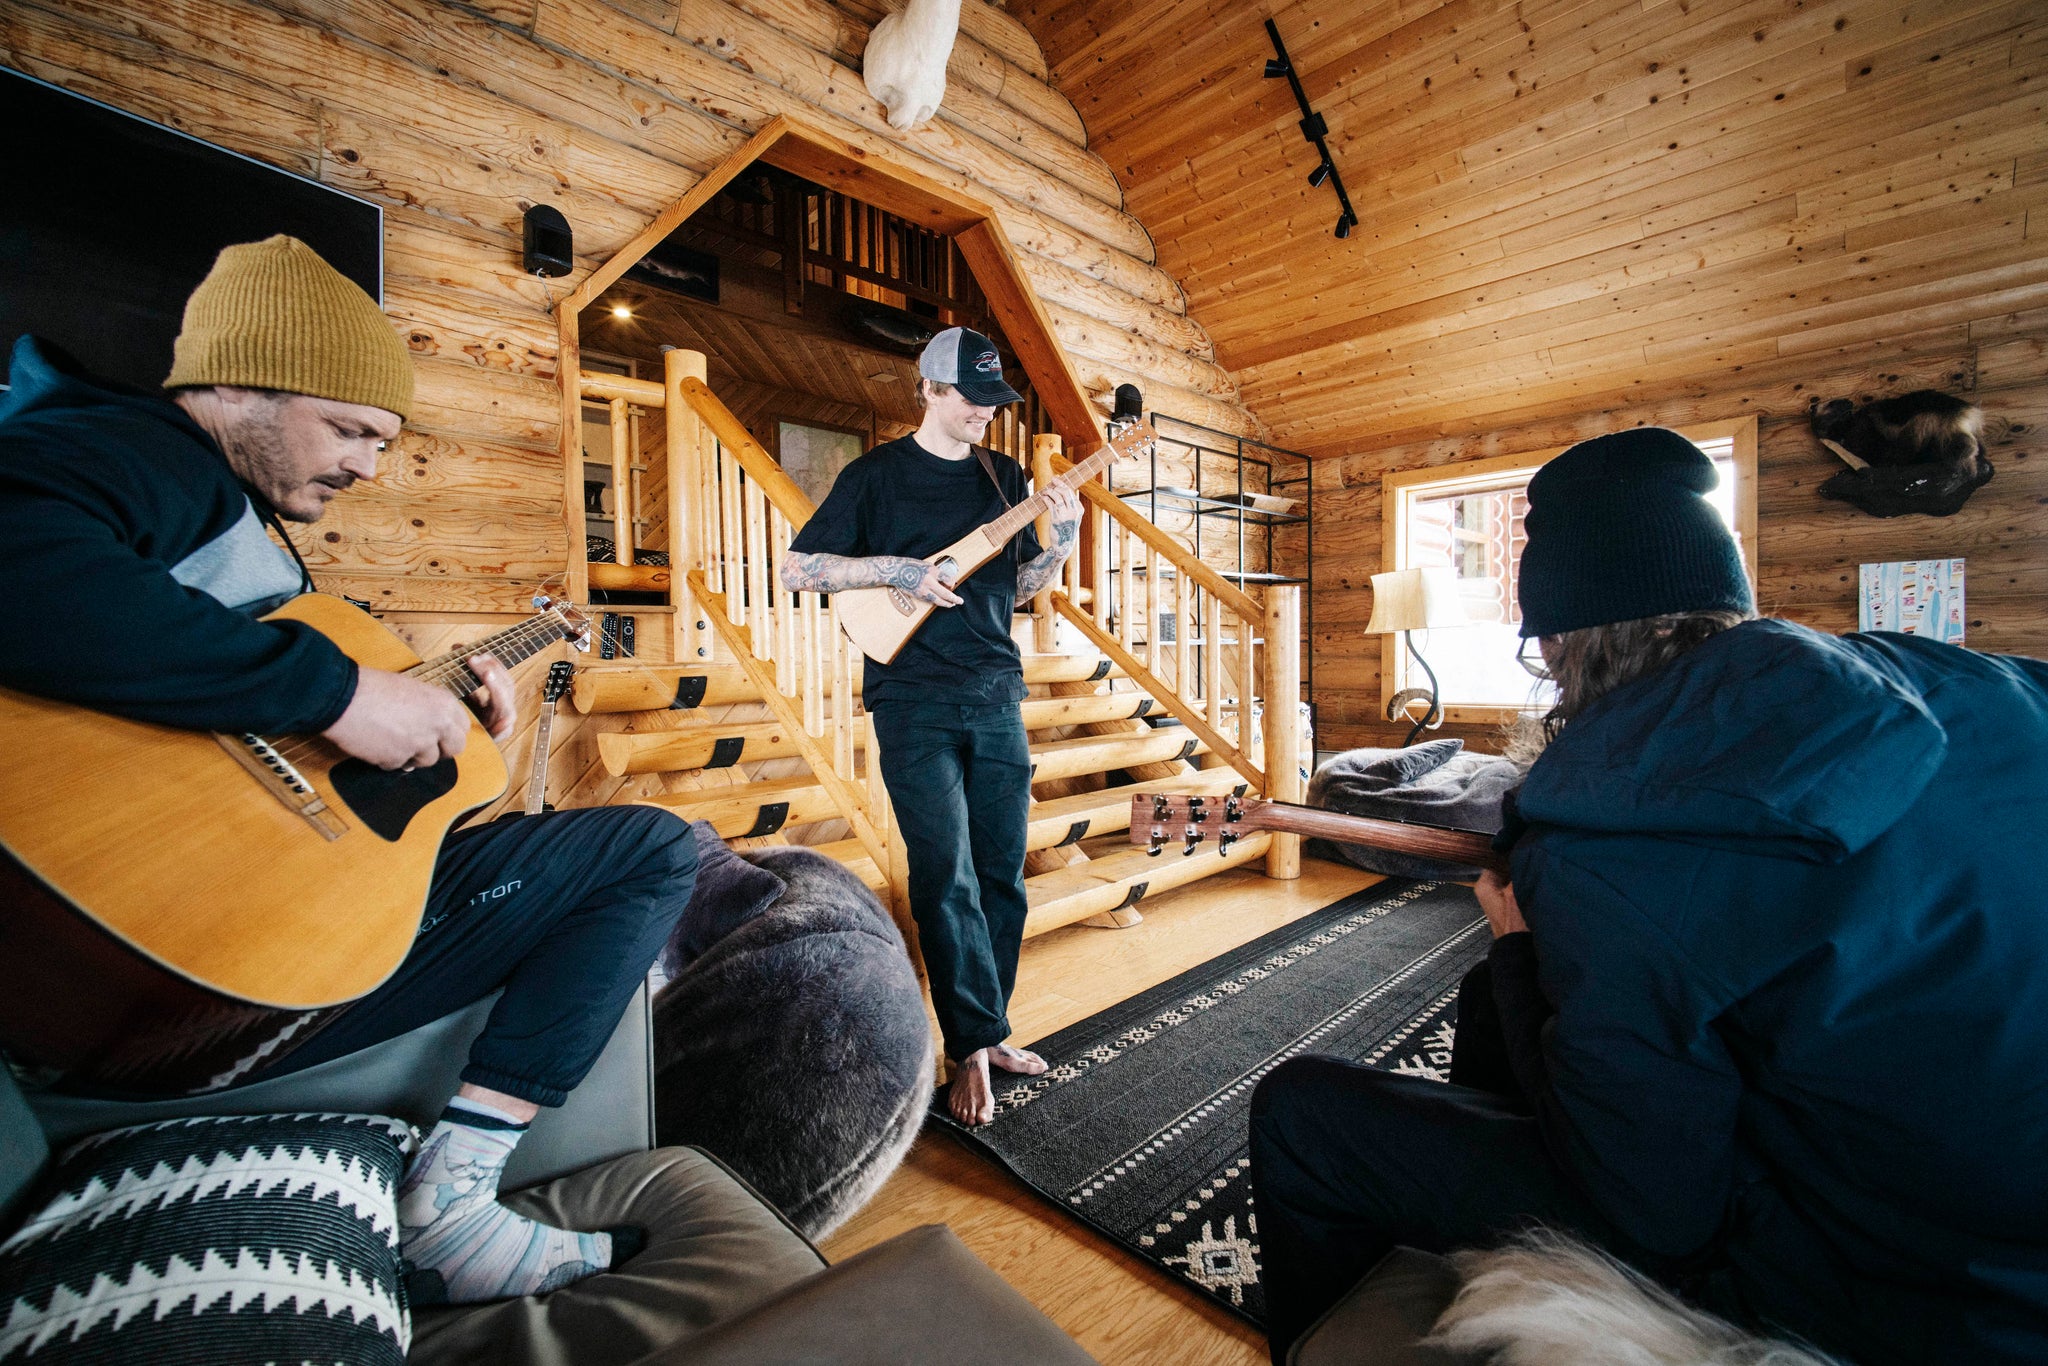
{"type": "Point", "coordinates": [1410, 600]}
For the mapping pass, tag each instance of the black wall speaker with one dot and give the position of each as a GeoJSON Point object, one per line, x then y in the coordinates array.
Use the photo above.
{"type": "Point", "coordinates": [550, 250]}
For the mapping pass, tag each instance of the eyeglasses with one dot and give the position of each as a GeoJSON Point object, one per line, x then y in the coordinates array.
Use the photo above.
{"type": "Point", "coordinates": [1536, 668]}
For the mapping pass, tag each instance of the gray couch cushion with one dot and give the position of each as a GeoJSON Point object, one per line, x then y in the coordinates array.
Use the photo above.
{"type": "Point", "coordinates": [714, 1249]}
{"type": "Point", "coordinates": [920, 1297]}
{"type": "Point", "coordinates": [1385, 1317]}
{"type": "Point", "coordinates": [412, 1076]}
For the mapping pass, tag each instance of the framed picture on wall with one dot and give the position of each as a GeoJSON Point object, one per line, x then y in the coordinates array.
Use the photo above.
{"type": "Point", "coordinates": [812, 453]}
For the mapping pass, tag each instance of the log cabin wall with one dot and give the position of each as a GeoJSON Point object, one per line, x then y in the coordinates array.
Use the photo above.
{"type": "Point", "coordinates": [456, 117]}
{"type": "Point", "coordinates": [1580, 214]}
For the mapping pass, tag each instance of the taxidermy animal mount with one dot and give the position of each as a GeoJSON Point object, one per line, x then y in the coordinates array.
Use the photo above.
{"type": "Point", "coordinates": [1917, 453]}
{"type": "Point", "coordinates": [905, 64]}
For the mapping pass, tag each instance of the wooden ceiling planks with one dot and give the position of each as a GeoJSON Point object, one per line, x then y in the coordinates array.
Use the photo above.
{"type": "Point", "coordinates": [1567, 203]}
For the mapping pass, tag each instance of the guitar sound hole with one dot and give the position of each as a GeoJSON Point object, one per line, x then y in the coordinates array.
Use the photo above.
{"type": "Point", "coordinates": [386, 800]}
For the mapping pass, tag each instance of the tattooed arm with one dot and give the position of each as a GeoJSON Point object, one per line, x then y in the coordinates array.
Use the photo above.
{"type": "Point", "coordinates": [804, 572]}
{"type": "Point", "coordinates": [1036, 573]}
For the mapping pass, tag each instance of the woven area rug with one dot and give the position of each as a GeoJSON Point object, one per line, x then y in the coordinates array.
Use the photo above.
{"type": "Point", "coordinates": [1140, 1127]}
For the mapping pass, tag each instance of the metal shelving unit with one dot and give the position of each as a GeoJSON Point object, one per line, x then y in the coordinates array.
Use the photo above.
{"type": "Point", "coordinates": [1257, 468]}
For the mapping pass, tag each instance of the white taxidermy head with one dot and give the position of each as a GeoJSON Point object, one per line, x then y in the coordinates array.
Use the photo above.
{"type": "Point", "coordinates": [905, 63]}
{"type": "Point", "coordinates": [1547, 1300]}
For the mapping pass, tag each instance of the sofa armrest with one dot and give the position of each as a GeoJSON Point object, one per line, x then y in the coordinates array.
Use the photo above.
{"type": "Point", "coordinates": [921, 1296]}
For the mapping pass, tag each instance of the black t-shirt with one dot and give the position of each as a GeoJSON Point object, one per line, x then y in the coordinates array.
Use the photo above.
{"type": "Point", "coordinates": [900, 499]}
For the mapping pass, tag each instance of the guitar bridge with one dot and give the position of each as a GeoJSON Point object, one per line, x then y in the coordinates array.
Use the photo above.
{"type": "Point", "coordinates": [282, 779]}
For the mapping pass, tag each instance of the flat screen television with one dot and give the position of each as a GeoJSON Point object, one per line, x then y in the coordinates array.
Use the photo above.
{"type": "Point", "coordinates": [107, 221]}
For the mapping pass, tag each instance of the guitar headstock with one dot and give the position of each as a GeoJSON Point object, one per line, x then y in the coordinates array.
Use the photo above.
{"type": "Point", "coordinates": [1158, 820]}
{"type": "Point", "coordinates": [1133, 439]}
{"type": "Point", "coordinates": [557, 682]}
{"type": "Point", "coordinates": [575, 625]}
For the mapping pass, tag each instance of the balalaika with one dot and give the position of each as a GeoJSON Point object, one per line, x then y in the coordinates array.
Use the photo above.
{"type": "Point", "coordinates": [173, 901]}
{"type": "Point", "coordinates": [882, 620]}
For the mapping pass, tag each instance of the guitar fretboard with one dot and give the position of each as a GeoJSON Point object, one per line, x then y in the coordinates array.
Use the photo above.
{"type": "Point", "coordinates": [1013, 521]}
{"type": "Point", "coordinates": [520, 642]}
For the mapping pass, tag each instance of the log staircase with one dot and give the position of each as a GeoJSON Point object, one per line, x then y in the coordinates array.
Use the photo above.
{"type": "Point", "coordinates": [755, 728]}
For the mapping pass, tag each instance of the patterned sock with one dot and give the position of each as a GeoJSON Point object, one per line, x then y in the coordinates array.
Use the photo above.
{"type": "Point", "coordinates": [460, 1245]}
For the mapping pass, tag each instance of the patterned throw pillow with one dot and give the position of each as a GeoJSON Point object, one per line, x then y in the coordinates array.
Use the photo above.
{"type": "Point", "coordinates": [261, 1238]}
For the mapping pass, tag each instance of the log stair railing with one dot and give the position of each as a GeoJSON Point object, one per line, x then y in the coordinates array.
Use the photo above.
{"type": "Point", "coordinates": [743, 643]}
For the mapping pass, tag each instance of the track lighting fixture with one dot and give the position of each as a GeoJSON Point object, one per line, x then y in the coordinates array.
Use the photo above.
{"type": "Point", "coordinates": [1313, 127]}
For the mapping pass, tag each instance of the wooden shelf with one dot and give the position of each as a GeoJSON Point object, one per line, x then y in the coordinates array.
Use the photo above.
{"type": "Point", "coordinates": [1203, 505]}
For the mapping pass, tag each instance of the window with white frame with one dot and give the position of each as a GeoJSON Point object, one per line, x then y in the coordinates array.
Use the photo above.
{"type": "Point", "coordinates": [1469, 518]}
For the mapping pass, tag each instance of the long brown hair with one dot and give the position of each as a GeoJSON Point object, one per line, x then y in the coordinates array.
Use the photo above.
{"type": "Point", "coordinates": [1591, 663]}
{"type": "Point", "coordinates": [1588, 664]}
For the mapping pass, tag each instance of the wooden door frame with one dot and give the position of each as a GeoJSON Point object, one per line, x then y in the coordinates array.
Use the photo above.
{"type": "Point", "coordinates": [826, 159]}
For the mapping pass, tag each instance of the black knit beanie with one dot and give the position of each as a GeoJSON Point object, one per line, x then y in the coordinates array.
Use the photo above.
{"type": "Point", "coordinates": [1618, 530]}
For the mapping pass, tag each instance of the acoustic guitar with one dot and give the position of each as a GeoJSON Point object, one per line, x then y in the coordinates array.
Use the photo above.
{"type": "Point", "coordinates": [177, 906]}
{"type": "Point", "coordinates": [559, 675]}
{"type": "Point", "coordinates": [1191, 822]}
{"type": "Point", "coordinates": [882, 620]}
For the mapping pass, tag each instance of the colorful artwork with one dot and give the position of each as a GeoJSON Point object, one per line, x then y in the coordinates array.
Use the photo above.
{"type": "Point", "coordinates": [1915, 597]}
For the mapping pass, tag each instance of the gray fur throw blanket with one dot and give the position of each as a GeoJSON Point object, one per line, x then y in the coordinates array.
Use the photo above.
{"type": "Point", "coordinates": [1435, 783]}
{"type": "Point", "coordinates": [795, 1047]}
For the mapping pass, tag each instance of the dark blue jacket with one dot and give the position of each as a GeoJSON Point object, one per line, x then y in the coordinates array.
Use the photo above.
{"type": "Point", "coordinates": [134, 560]}
{"type": "Point", "coordinates": [1787, 901]}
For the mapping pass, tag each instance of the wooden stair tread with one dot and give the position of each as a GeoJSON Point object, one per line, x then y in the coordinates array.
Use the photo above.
{"type": "Point", "coordinates": [1066, 895]}
{"type": "Point", "coordinates": [747, 810]}
{"type": "Point", "coordinates": [1105, 812]}
{"type": "Point", "coordinates": [1106, 753]}
{"type": "Point", "coordinates": [709, 744]}
{"type": "Point", "coordinates": [854, 855]}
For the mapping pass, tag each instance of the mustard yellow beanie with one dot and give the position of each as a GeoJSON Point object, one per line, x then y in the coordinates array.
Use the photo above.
{"type": "Point", "coordinates": [274, 315]}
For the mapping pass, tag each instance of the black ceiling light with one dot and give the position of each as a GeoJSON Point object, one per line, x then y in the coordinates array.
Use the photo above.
{"type": "Point", "coordinates": [1314, 128]}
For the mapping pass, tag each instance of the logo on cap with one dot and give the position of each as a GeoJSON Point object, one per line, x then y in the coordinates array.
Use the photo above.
{"type": "Point", "coordinates": [988, 363]}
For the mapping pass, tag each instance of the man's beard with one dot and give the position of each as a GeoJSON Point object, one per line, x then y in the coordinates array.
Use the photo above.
{"type": "Point", "coordinates": [259, 451]}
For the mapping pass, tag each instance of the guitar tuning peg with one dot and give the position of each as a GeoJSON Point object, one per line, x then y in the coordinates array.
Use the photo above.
{"type": "Point", "coordinates": [541, 602]}
{"type": "Point", "coordinates": [1233, 810]}
{"type": "Point", "coordinates": [1195, 837]}
{"type": "Point", "coordinates": [1160, 807]}
{"type": "Point", "coordinates": [1158, 842]}
{"type": "Point", "coordinates": [1225, 840]}
{"type": "Point", "coordinates": [1197, 811]}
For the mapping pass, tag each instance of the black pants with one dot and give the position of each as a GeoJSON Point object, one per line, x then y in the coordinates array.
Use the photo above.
{"type": "Point", "coordinates": [1349, 1162]}
{"type": "Point", "coordinates": [565, 911]}
{"type": "Point", "coordinates": [959, 776]}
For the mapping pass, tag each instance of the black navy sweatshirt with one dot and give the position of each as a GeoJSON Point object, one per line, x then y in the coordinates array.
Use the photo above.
{"type": "Point", "coordinates": [136, 564]}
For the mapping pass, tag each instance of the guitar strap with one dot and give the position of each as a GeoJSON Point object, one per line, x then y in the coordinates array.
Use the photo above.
{"type": "Point", "coordinates": [988, 466]}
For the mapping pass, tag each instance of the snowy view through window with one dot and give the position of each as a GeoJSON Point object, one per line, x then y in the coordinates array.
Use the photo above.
{"type": "Point", "coordinates": [1480, 535]}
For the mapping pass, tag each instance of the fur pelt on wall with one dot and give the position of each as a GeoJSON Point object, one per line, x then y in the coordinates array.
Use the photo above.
{"type": "Point", "coordinates": [795, 1048]}
{"type": "Point", "coordinates": [1548, 1300]}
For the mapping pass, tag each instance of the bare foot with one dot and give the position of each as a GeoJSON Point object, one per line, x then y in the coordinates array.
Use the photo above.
{"type": "Point", "coordinates": [1016, 1060]}
{"type": "Point", "coordinates": [972, 1101]}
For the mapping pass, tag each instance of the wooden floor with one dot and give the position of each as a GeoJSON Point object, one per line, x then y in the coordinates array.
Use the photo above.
{"type": "Point", "coordinates": [1121, 1309]}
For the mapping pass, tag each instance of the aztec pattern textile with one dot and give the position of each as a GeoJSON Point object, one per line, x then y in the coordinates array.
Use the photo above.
{"type": "Point", "coordinates": [255, 1239]}
{"type": "Point", "coordinates": [1139, 1126]}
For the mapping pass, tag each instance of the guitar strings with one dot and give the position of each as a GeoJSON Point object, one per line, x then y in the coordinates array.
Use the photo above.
{"type": "Point", "coordinates": [521, 641]}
